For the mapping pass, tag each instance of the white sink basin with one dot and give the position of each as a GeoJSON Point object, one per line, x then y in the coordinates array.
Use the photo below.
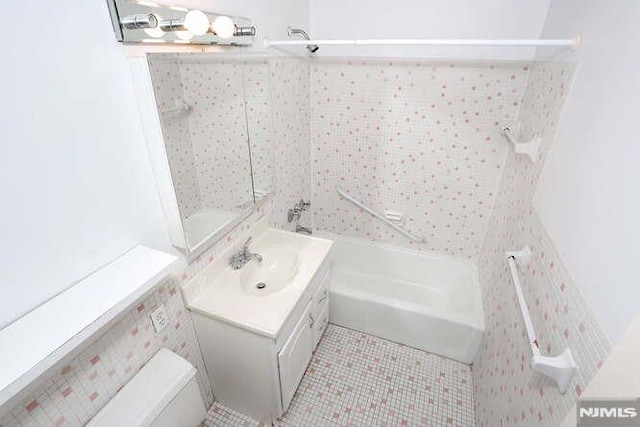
{"type": "Point", "coordinates": [274, 273]}
{"type": "Point", "coordinates": [289, 264]}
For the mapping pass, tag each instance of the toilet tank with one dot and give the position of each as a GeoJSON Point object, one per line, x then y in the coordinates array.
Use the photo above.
{"type": "Point", "coordinates": [164, 393]}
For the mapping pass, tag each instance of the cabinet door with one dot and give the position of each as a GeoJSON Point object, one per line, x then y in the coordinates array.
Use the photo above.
{"type": "Point", "coordinates": [295, 356]}
{"type": "Point", "coordinates": [321, 322]}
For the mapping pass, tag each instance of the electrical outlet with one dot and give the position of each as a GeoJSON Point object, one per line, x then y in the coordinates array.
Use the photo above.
{"type": "Point", "coordinates": [160, 318]}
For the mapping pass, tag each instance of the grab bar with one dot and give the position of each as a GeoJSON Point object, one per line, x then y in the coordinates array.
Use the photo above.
{"type": "Point", "coordinates": [380, 217]}
{"type": "Point", "coordinates": [559, 368]}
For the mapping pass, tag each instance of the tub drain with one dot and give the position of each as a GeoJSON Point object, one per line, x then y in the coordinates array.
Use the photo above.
{"type": "Point", "coordinates": [261, 285]}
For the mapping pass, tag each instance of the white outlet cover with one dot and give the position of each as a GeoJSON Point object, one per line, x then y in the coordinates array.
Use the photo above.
{"type": "Point", "coordinates": [160, 318]}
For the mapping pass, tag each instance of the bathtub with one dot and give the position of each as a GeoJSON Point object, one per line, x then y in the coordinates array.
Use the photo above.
{"type": "Point", "coordinates": [427, 301]}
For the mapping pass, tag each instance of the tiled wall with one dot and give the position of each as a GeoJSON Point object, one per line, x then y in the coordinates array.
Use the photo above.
{"type": "Point", "coordinates": [275, 93]}
{"type": "Point", "coordinates": [167, 86]}
{"type": "Point", "coordinates": [421, 138]}
{"type": "Point", "coordinates": [218, 130]}
{"type": "Point", "coordinates": [506, 391]}
{"type": "Point", "coordinates": [73, 391]}
{"type": "Point", "coordinates": [291, 137]}
{"type": "Point", "coordinates": [258, 102]}
{"type": "Point", "coordinates": [204, 145]}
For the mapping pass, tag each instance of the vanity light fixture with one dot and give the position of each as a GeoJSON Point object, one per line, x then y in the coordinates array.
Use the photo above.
{"type": "Point", "coordinates": [249, 30]}
{"type": "Point", "coordinates": [155, 32]}
{"type": "Point", "coordinates": [184, 36]}
{"type": "Point", "coordinates": [140, 21]}
{"type": "Point", "coordinates": [197, 22]}
{"type": "Point", "coordinates": [223, 27]}
{"type": "Point", "coordinates": [170, 25]}
{"type": "Point", "coordinates": [148, 4]}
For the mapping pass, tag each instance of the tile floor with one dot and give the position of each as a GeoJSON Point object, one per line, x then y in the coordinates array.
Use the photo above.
{"type": "Point", "coordinates": [356, 379]}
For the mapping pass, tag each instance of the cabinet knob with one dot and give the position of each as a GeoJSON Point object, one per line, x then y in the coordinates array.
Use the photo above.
{"type": "Point", "coordinates": [311, 320]}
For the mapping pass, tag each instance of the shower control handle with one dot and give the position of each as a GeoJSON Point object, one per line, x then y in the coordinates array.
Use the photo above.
{"type": "Point", "coordinates": [295, 212]}
{"type": "Point", "coordinates": [304, 205]}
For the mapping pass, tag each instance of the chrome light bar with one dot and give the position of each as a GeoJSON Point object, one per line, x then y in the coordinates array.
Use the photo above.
{"type": "Point", "coordinates": [146, 22]}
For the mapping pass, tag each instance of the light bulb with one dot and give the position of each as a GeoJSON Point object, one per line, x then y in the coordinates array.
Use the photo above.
{"type": "Point", "coordinates": [224, 27]}
{"type": "Point", "coordinates": [184, 35]}
{"type": "Point", "coordinates": [196, 22]}
{"type": "Point", "coordinates": [156, 32]}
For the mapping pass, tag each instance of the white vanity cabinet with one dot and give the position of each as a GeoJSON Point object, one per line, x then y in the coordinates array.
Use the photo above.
{"type": "Point", "coordinates": [295, 356]}
{"type": "Point", "coordinates": [258, 373]}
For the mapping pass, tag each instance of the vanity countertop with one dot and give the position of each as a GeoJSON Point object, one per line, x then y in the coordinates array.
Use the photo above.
{"type": "Point", "coordinates": [216, 291]}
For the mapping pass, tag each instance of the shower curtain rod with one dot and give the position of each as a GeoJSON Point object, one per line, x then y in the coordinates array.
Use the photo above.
{"type": "Point", "coordinates": [573, 43]}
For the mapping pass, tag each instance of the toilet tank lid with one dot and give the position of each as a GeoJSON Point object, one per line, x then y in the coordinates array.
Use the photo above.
{"type": "Point", "coordinates": [142, 399]}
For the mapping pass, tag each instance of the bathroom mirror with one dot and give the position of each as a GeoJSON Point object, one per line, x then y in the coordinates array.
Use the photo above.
{"type": "Point", "coordinates": [215, 115]}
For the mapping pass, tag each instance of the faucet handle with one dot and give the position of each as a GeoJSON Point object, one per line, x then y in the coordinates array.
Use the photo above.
{"type": "Point", "coordinates": [304, 205]}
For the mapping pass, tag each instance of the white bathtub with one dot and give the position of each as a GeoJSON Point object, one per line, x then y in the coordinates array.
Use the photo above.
{"type": "Point", "coordinates": [427, 301]}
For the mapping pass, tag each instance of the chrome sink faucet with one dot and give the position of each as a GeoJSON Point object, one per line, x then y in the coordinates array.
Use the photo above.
{"type": "Point", "coordinates": [240, 259]}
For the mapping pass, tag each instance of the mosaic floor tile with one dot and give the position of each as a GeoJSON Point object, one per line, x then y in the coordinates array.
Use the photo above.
{"type": "Point", "coordinates": [356, 379]}
{"type": "Point", "coordinates": [220, 415]}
